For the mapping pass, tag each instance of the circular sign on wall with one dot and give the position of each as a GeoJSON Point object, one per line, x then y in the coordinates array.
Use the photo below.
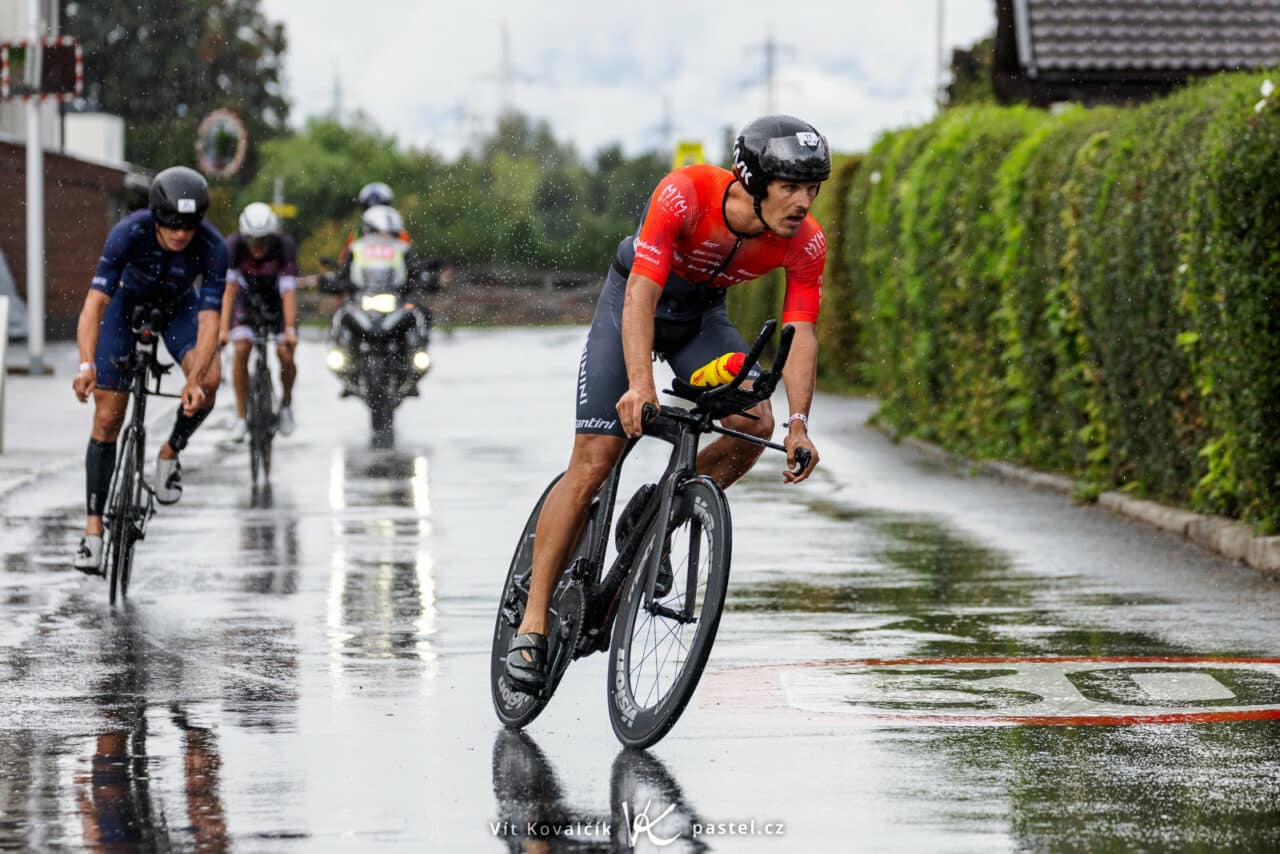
{"type": "Point", "coordinates": [222, 142]}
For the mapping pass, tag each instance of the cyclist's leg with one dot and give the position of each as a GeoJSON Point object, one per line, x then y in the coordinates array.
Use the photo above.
{"type": "Point", "coordinates": [726, 459]}
{"type": "Point", "coordinates": [602, 379]}
{"type": "Point", "coordinates": [180, 339]}
{"type": "Point", "coordinates": [288, 371]}
{"type": "Point", "coordinates": [110, 402]}
{"type": "Point", "coordinates": [563, 517]}
{"type": "Point", "coordinates": [242, 342]}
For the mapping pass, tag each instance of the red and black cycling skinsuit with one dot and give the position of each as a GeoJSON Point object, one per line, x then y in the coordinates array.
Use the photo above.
{"type": "Point", "coordinates": [685, 245]}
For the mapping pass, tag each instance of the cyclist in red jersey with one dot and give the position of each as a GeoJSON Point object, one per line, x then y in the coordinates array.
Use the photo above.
{"type": "Point", "coordinates": [704, 230]}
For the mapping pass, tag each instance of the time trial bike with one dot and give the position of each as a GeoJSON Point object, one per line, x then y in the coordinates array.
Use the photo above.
{"type": "Point", "coordinates": [656, 607]}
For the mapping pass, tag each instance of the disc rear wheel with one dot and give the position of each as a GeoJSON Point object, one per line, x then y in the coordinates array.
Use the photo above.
{"type": "Point", "coordinates": [564, 626]}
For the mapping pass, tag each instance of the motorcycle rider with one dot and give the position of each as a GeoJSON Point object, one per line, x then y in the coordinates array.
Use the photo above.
{"type": "Point", "coordinates": [263, 276]}
{"type": "Point", "coordinates": [371, 195]}
{"type": "Point", "coordinates": [381, 260]}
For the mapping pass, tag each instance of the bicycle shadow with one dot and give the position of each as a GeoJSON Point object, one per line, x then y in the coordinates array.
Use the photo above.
{"type": "Point", "coordinates": [647, 808]}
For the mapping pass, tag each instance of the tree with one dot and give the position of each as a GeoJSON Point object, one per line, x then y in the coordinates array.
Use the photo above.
{"type": "Point", "coordinates": [163, 65]}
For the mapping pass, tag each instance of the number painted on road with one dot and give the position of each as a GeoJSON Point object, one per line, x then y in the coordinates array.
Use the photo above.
{"type": "Point", "coordinates": [1072, 691]}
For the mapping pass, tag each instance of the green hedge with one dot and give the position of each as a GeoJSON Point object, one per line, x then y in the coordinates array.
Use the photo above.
{"type": "Point", "coordinates": [1095, 292]}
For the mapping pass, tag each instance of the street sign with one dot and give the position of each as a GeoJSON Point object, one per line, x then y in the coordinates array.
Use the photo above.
{"type": "Point", "coordinates": [49, 68]}
{"type": "Point", "coordinates": [688, 152]}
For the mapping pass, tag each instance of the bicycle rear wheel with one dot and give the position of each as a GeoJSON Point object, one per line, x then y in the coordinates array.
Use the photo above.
{"type": "Point", "coordinates": [657, 655]}
{"type": "Point", "coordinates": [124, 503]}
{"type": "Point", "coordinates": [568, 608]}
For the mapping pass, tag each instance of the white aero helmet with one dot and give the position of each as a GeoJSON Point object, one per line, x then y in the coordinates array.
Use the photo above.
{"type": "Point", "coordinates": [259, 220]}
{"type": "Point", "coordinates": [381, 219]}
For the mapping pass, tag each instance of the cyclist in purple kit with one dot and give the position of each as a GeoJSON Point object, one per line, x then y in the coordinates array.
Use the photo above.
{"type": "Point", "coordinates": [166, 258]}
{"type": "Point", "coordinates": [264, 277]}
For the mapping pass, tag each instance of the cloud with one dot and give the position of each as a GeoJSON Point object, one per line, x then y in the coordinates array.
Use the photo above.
{"type": "Point", "coordinates": [599, 73]}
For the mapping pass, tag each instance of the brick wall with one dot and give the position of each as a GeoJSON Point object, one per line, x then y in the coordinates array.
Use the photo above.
{"type": "Point", "coordinates": [82, 201]}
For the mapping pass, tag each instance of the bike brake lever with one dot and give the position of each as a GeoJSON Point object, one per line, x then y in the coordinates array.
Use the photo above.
{"type": "Point", "coordinates": [803, 458]}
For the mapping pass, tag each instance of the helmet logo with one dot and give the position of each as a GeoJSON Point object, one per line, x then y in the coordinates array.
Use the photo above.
{"type": "Point", "coordinates": [741, 166]}
{"type": "Point", "coordinates": [186, 206]}
{"type": "Point", "coordinates": [808, 139]}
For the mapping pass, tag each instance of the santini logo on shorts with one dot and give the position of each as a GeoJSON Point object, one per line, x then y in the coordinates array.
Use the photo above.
{"type": "Point", "coordinates": [186, 205]}
{"type": "Point", "coordinates": [597, 424]}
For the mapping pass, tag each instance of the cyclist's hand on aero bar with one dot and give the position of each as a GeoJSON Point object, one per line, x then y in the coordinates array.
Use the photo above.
{"type": "Point", "coordinates": [797, 439]}
{"type": "Point", "coordinates": [85, 382]}
{"type": "Point", "coordinates": [192, 398]}
{"type": "Point", "coordinates": [631, 407]}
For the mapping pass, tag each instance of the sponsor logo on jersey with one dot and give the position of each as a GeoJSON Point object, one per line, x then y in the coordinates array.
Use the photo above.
{"type": "Point", "coordinates": [817, 245]}
{"type": "Point", "coordinates": [673, 200]}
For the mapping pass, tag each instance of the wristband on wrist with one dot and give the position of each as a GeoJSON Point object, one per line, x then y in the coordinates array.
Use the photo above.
{"type": "Point", "coordinates": [797, 416]}
{"type": "Point", "coordinates": [84, 366]}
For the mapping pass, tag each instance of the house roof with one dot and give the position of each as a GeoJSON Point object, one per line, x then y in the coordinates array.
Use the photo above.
{"type": "Point", "coordinates": [1160, 37]}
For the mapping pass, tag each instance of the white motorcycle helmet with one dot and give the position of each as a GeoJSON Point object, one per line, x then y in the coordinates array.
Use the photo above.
{"type": "Point", "coordinates": [381, 219]}
{"type": "Point", "coordinates": [258, 220]}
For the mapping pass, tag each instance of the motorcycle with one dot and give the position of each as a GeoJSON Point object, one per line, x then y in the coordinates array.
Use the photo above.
{"type": "Point", "coordinates": [378, 341]}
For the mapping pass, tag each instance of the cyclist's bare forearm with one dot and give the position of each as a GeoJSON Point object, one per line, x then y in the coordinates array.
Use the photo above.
{"type": "Point", "coordinates": [289, 301]}
{"type": "Point", "coordinates": [801, 371]}
{"type": "Point", "coordinates": [90, 324]}
{"type": "Point", "coordinates": [206, 349]}
{"type": "Point", "coordinates": [638, 311]}
{"type": "Point", "coordinates": [228, 309]}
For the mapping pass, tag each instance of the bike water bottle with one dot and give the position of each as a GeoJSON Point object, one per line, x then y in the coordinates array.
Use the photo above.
{"type": "Point", "coordinates": [719, 370]}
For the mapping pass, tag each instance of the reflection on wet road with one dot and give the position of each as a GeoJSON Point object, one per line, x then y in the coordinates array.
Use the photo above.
{"type": "Point", "coordinates": [909, 660]}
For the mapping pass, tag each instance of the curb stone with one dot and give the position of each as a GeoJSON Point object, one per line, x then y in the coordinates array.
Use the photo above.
{"type": "Point", "coordinates": [1225, 537]}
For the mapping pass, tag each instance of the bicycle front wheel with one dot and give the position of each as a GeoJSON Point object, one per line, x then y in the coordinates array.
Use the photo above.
{"type": "Point", "coordinates": [124, 505]}
{"type": "Point", "coordinates": [261, 423]}
{"type": "Point", "coordinates": [659, 650]}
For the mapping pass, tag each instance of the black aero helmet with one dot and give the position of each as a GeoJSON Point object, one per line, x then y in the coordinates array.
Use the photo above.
{"type": "Point", "coordinates": [779, 147]}
{"type": "Point", "coordinates": [179, 197]}
{"type": "Point", "coordinates": [376, 193]}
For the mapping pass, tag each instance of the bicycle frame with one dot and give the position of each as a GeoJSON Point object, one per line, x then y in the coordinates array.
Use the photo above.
{"type": "Point", "coordinates": [141, 364]}
{"type": "Point", "coordinates": [683, 429]}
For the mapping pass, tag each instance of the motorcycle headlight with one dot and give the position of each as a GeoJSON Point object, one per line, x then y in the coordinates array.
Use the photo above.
{"type": "Point", "coordinates": [336, 360]}
{"type": "Point", "coordinates": [421, 360]}
{"type": "Point", "coordinates": [381, 303]}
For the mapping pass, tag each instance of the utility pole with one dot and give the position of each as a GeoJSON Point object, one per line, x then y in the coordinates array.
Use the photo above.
{"type": "Point", "coordinates": [508, 75]}
{"type": "Point", "coordinates": [771, 49]}
{"type": "Point", "coordinates": [665, 128]}
{"type": "Point", "coordinates": [336, 107]}
{"type": "Point", "coordinates": [35, 201]}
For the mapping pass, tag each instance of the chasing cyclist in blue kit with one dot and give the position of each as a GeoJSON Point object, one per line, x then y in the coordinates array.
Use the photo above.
{"type": "Point", "coordinates": [164, 258]}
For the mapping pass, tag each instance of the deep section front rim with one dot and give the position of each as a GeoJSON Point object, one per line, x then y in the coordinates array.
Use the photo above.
{"type": "Point", "coordinates": [656, 657]}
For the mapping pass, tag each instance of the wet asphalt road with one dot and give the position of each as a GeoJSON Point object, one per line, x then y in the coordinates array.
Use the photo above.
{"type": "Point", "coordinates": [313, 675]}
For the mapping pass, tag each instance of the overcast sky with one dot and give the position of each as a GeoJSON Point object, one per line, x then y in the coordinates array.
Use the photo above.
{"type": "Point", "coordinates": [600, 72]}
